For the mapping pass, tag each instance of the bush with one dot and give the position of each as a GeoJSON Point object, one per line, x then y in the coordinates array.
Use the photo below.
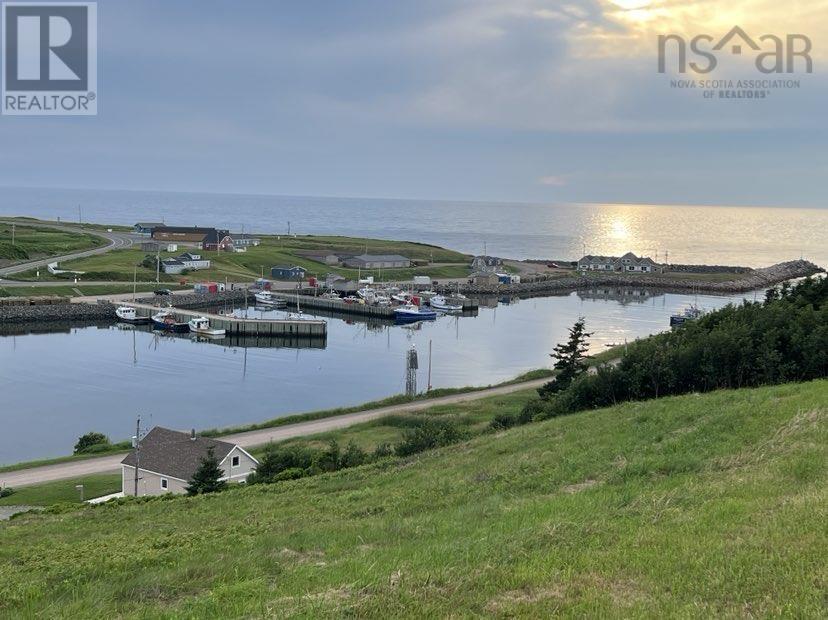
{"type": "Point", "coordinates": [6, 491]}
{"type": "Point", "coordinates": [92, 442]}
{"type": "Point", "coordinates": [502, 421]}
{"type": "Point", "coordinates": [432, 433]}
{"type": "Point", "coordinates": [281, 459]}
{"type": "Point", "coordinates": [293, 473]}
{"type": "Point", "coordinates": [382, 451]}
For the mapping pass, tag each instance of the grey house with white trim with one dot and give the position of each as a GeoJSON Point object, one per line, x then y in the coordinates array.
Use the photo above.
{"type": "Point", "coordinates": [167, 460]}
{"type": "Point", "coordinates": [629, 263]}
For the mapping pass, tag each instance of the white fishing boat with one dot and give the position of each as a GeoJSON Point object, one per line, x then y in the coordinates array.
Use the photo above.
{"type": "Point", "coordinates": [266, 298]}
{"type": "Point", "coordinates": [689, 314]}
{"type": "Point", "coordinates": [331, 295]}
{"type": "Point", "coordinates": [201, 326]}
{"type": "Point", "coordinates": [381, 300]}
{"type": "Point", "coordinates": [126, 314]}
{"type": "Point", "coordinates": [366, 292]}
{"type": "Point", "coordinates": [166, 321]}
{"type": "Point", "coordinates": [438, 302]}
{"type": "Point", "coordinates": [403, 298]}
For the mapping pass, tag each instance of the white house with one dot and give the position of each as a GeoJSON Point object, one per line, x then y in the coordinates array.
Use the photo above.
{"type": "Point", "coordinates": [166, 461]}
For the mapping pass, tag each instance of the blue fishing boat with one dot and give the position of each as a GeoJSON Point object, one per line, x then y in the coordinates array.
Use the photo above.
{"type": "Point", "coordinates": [166, 321]}
{"type": "Point", "coordinates": [410, 313]}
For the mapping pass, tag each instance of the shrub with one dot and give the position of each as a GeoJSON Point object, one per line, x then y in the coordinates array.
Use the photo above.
{"type": "Point", "coordinates": [293, 473]}
{"type": "Point", "coordinates": [92, 442]}
{"type": "Point", "coordinates": [206, 478]}
{"type": "Point", "coordinates": [502, 421]}
{"type": "Point", "coordinates": [432, 433]}
{"type": "Point", "coordinates": [382, 451]}
{"type": "Point", "coordinates": [6, 491]}
{"type": "Point", "coordinates": [280, 459]}
{"type": "Point", "coordinates": [354, 456]}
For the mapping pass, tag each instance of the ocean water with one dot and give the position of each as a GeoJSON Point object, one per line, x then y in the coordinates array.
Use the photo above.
{"type": "Point", "coordinates": [753, 237]}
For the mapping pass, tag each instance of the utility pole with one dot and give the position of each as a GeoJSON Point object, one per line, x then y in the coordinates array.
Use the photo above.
{"type": "Point", "coordinates": [137, 452]}
{"type": "Point", "coordinates": [411, 372]}
{"type": "Point", "coordinates": [288, 228]}
{"type": "Point", "coordinates": [134, 282]}
{"type": "Point", "coordinates": [12, 234]}
{"type": "Point", "coordinates": [429, 366]}
{"type": "Point", "coordinates": [80, 215]}
{"type": "Point", "coordinates": [157, 263]}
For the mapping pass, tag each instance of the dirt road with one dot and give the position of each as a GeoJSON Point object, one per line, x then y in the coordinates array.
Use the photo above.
{"type": "Point", "coordinates": [249, 439]}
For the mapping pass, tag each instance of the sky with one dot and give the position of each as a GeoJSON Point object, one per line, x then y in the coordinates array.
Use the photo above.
{"type": "Point", "coordinates": [490, 100]}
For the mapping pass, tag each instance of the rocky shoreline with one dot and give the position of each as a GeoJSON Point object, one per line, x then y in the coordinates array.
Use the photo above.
{"type": "Point", "coordinates": [750, 281]}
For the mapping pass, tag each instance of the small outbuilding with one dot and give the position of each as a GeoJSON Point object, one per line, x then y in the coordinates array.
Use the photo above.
{"type": "Point", "coordinates": [484, 278]}
{"type": "Point", "coordinates": [166, 461]}
{"type": "Point", "coordinates": [377, 261]}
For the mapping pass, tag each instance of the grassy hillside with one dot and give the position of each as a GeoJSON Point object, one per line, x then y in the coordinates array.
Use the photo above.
{"type": "Point", "coordinates": [33, 242]}
{"type": "Point", "coordinates": [302, 251]}
{"type": "Point", "coordinates": [694, 506]}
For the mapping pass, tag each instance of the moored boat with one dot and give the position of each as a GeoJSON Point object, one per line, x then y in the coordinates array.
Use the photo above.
{"type": "Point", "coordinates": [166, 320]}
{"type": "Point", "coordinates": [201, 326]}
{"type": "Point", "coordinates": [126, 314]}
{"type": "Point", "coordinates": [267, 298]}
{"type": "Point", "coordinates": [438, 302]}
{"type": "Point", "coordinates": [410, 313]}
{"type": "Point", "coordinates": [689, 314]}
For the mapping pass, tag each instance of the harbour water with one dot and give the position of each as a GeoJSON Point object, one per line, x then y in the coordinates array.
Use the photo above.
{"type": "Point", "coordinates": [753, 237]}
{"type": "Point", "coordinates": [57, 386]}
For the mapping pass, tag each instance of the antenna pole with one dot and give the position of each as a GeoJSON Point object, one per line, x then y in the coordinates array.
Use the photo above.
{"type": "Point", "coordinates": [137, 452]}
{"type": "Point", "coordinates": [429, 366]}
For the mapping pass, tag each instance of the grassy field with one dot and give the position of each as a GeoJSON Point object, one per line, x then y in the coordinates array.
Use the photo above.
{"type": "Point", "coordinates": [75, 290]}
{"type": "Point", "coordinates": [33, 242]}
{"type": "Point", "coordinates": [64, 491]}
{"type": "Point", "coordinates": [698, 506]}
{"type": "Point", "coordinates": [273, 251]}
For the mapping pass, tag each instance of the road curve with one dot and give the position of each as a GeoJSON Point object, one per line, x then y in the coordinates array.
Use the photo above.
{"type": "Point", "coordinates": [249, 439]}
{"type": "Point", "coordinates": [117, 241]}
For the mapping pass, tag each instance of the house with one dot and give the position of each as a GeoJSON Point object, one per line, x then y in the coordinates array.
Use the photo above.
{"type": "Point", "coordinates": [245, 241]}
{"type": "Point", "coordinates": [146, 228]}
{"type": "Point", "coordinates": [172, 266]}
{"type": "Point", "coordinates": [628, 263]}
{"type": "Point", "coordinates": [193, 261]}
{"type": "Point", "coordinates": [377, 261]}
{"type": "Point", "coordinates": [218, 241]}
{"type": "Point", "coordinates": [483, 263]}
{"type": "Point", "coordinates": [187, 260]}
{"type": "Point", "coordinates": [484, 278]}
{"type": "Point", "coordinates": [166, 461]}
{"type": "Point", "coordinates": [288, 273]}
{"type": "Point", "coordinates": [192, 235]}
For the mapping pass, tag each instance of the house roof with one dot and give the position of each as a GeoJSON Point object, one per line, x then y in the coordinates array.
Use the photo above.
{"type": "Point", "coordinates": [171, 261]}
{"type": "Point", "coordinates": [149, 224]}
{"type": "Point", "coordinates": [380, 257]}
{"type": "Point", "coordinates": [216, 236]}
{"type": "Point", "coordinates": [286, 268]}
{"type": "Point", "coordinates": [175, 454]}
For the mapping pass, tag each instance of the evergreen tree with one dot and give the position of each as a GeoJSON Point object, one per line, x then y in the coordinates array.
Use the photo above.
{"type": "Point", "coordinates": [206, 477]}
{"type": "Point", "coordinates": [571, 359]}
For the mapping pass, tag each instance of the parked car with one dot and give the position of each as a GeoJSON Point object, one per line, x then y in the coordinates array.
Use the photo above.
{"type": "Point", "coordinates": [163, 291]}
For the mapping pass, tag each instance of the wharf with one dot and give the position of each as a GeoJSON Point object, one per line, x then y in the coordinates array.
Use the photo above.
{"type": "Point", "coordinates": [301, 328]}
{"type": "Point", "coordinates": [336, 307]}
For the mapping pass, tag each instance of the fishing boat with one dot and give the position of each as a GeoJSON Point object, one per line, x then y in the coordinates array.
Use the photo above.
{"type": "Point", "coordinates": [201, 326]}
{"type": "Point", "coordinates": [381, 300]}
{"type": "Point", "coordinates": [350, 299]}
{"type": "Point", "coordinates": [331, 295]}
{"type": "Point", "coordinates": [366, 292]}
{"type": "Point", "coordinates": [166, 320]}
{"type": "Point", "coordinates": [689, 314]}
{"type": "Point", "coordinates": [126, 314]}
{"type": "Point", "coordinates": [266, 298]}
{"type": "Point", "coordinates": [410, 313]}
{"type": "Point", "coordinates": [403, 298]}
{"type": "Point", "coordinates": [438, 302]}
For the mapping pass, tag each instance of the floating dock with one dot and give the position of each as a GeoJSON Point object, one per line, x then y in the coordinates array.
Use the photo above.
{"type": "Point", "coordinates": [366, 310]}
{"type": "Point", "coordinates": [295, 328]}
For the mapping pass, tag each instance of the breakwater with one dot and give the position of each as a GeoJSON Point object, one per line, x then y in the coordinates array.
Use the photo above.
{"type": "Point", "coordinates": [63, 312]}
{"type": "Point", "coordinates": [752, 280]}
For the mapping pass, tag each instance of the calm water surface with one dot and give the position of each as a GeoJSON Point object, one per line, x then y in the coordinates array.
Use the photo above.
{"type": "Point", "coordinates": [57, 386]}
{"type": "Point", "coordinates": [752, 237]}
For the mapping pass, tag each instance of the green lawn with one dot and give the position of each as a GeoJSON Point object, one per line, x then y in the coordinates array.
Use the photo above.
{"type": "Point", "coordinates": [72, 290]}
{"type": "Point", "coordinates": [697, 506]}
{"type": "Point", "coordinates": [64, 491]}
{"type": "Point", "coordinates": [120, 264]}
{"type": "Point", "coordinates": [33, 242]}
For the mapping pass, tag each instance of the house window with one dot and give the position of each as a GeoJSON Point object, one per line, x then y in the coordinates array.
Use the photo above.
{"type": "Point", "coordinates": [235, 461]}
{"type": "Point", "coordinates": [164, 483]}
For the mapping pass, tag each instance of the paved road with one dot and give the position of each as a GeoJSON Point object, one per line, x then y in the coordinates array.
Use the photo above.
{"type": "Point", "coordinates": [107, 464]}
{"type": "Point", "coordinates": [117, 241]}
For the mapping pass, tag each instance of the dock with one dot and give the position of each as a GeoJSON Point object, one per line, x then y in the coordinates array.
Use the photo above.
{"type": "Point", "coordinates": [336, 307]}
{"type": "Point", "coordinates": [234, 326]}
